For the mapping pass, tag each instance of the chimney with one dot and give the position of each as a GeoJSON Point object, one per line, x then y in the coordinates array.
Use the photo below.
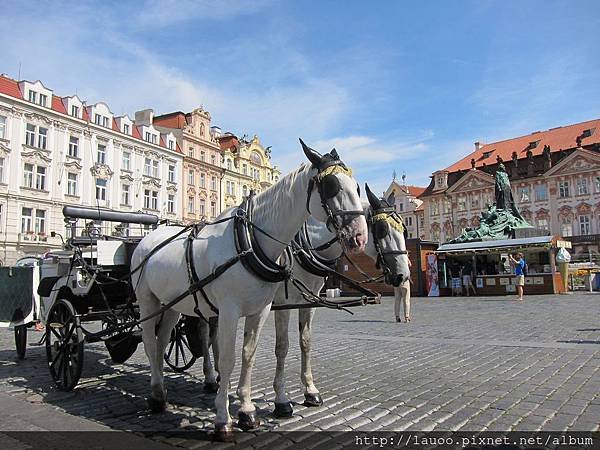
{"type": "Point", "coordinates": [478, 146]}
{"type": "Point", "coordinates": [144, 117]}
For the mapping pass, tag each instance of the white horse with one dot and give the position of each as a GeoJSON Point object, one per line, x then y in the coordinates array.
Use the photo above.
{"type": "Point", "coordinates": [325, 190]}
{"type": "Point", "coordinates": [386, 247]}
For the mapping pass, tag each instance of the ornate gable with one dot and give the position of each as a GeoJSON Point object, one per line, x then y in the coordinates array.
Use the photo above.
{"type": "Point", "coordinates": [36, 157]}
{"type": "Point", "coordinates": [579, 161]}
{"type": "Point", "coordinates": [473, 180]}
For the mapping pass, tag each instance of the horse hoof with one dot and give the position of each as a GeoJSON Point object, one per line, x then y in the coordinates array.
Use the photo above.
{"type": "Point", "coordinates": [312, 399]}
{"type": "Point", "coordinates": [248, 421]}
{"type": "Point", "coordinates": [283, 410]}
{"type": "Point", "coordinates": [224, 432]}
{"type": "Point", "coordinates": [211, 388]}
{"type": "Point", "coordinates": [156, 406]}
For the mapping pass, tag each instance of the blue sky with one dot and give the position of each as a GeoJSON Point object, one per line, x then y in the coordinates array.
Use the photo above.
{"type": "Point", "coordinates": [393, 85]}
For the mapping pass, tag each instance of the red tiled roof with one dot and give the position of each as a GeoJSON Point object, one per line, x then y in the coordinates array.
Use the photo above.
{"type": "Point", "coordinates": [171, 120]}
{"type": "Point", "coordinates": [10, 87]}
{"type": "Point", "coordinates": [560, 138]}
{"type": "Point", "coordinates": [58, 105]}
{"type": "Point", "coordinates": [228, 141]}
{"type": "Point", "coordinates": [415, 190]}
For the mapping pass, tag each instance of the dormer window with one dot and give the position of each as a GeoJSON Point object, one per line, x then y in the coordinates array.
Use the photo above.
{"type": "Point", "coordinates": [105, 122]}
{"type": "Point", "coordinates": [487, 154]}
{"type": "Point", "coordinates": [126, 128]}
{"type": "Point", "coordinates": [588, 132]}
{"type": "Point", "coordinates": [439, 180]}
{"type": "Point", "coordinates": [43, 99]}
{"type": "Point", "coordinates": [75, 111]}
{"type": "Point", "coordinates": [171, 145]}
{"type": "Point", "coordinates": [33, 96]}
{"type": "Point", "coordinates": [533, 144]}
{"type": "Point", "coordinates": [98, 119]}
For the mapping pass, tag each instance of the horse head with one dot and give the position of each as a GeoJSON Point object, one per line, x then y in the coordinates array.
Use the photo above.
{"type": "Point", "coordinates": [388, 240]}
{"type": "Point", "coordinates": [334, 198]}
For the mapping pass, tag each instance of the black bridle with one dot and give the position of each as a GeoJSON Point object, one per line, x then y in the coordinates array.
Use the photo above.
{"type": "Point", "coordinates": [379, 230]}
{"type": "Point", "coordinates": [328, 187]}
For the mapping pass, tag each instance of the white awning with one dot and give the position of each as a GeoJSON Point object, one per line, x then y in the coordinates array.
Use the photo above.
{"type": "Point", "coordinates": [500, 244]}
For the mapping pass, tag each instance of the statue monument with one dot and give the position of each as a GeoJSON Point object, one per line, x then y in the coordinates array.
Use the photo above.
{"type": "Point", "coordinates": [501, 218]}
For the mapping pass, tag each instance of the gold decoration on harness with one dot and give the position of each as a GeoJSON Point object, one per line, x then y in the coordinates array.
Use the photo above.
{"type": "Point", "coordinates": [396, 224]}
{"type": "Point", "coordinates": [333, 170]}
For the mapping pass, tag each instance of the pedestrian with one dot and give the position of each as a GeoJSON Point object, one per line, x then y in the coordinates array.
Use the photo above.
{"type": "Point", "coordinates": [519, 262]}
{"type": "Point", "coordinates": [456, 284]}
{"type": "Point", "coordinates": [402, 295]}
{"type": "Point", "coordinates": [467, 279]}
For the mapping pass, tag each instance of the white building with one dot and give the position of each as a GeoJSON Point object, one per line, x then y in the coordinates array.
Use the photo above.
{"type": "Point", "coordinates": [57, 151]}
{"type": "Point", "coordinates": [405, 199]}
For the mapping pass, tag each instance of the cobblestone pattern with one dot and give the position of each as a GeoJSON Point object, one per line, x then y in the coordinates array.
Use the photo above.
{"type": "Point", "coordinates": [461, 364]}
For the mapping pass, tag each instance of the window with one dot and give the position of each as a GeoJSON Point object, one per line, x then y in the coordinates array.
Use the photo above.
{"type": "Point", "coordinates": [201, 129]}
{"type": "Point", "coordinates": [1, 170]}
{"type": "Point", "coordinates": [26, 220]}
{"type": "Point", "coordinates": [101, 190]}
{"type": "Point", "coordinates": [191, 177]}
{"type": "Point", "coordinates": [566, 227]}
{"type": "Point", "coordinates": [213, 183]}
{"type": "Point", "coordinates": [191, 152]}
{"type": "Point", "coordinates": [171, 145]}
{"type": "Point", "coordinates": [73, 147]}
{"type": "Point", "coordinates": [125, 190]}
{"type": "Point", "coordinates": [232, 188]}
{"type": "Point", "coordinates": [244, 190]}
{"type": "Point", "coordinates": [523, 194]}
{"type": "Point", "coordinates": [191, 205]}
{"type": "Point", "coordinates": [155, 169]}
{"type": "Point", "coordinates": [462, 203]}
{"type": "Point", "coordinates": [409, 221]}
{"type": "Point", "coordinates": [474, 202]}
{"type": "Point", "coordinates": [563, 189]}
{"type": "Point", "coordinates": [2, 127]}
{"type": "Point", "coordinates": [213, 209]}
{"type": "Point", "coordinates": [401, 206]}
{"type": "Point", "coordinates": [541, 193]}
{"type": "Point", "coordinates": [43, 99]}
{"type": "Point", "coordinates": [40, 221]}
{"type": "Point", "coordinates": [171, 174]}
{"type": "Point", "coordinates": [28, 175]}
{"type": "Point", "coordinates": [447, 206]}
{"type": "Point", "coordinates": [202, 207]}
{"type": "Point", "coordinates": [30, 135]}
{"type": "Point", "coordinates": [433, 208]}
{"type": "Point", "coordinates": [75, 111]}
{"type": "Point", "coordinates": [202, 180]}
{"type": "Point", "coordinates": [71, 184]}
{"type": "Point", "coordinates": [202, 156]}
{"type": "Point", "coordinates": [171, 204]}
{"type": "Point", "coordinates": [584, 225]}
{"type": "Point", "coordinates": [105, 122]}
{"type": "Point", "coordinates": [126, 128]}
{"type": "Point", "coordinates": [597, 183]}
{"type": "Point", "coordinates": [582, 186]}
{"type": "Point", "coordinates": [147, 166]}
{"type": "Point", "coordinates": [126, 160]}
{"type": "Point", "coordinates": [98, 119]}
{"type": "Point", "coordinates": [542, 224]}
{"type": "Point", "coordinates": [228, 187]}
{"type": "Point", "coordinates": [33, 96]}
{"type": "Point", "coordinates": [245, 169]}
{"type": "Point", "coordinates": [229, 165]}
{"type": "Point", "coordinates": [213, 160]}
{"type": "Point", "coordinates": [150, 199]}
{"type": "Point", "coordinates": [150, 137]}
{"type": "Point", "coordinates": [42, 137]}
{"type": "Point", "coordinates": [101, 154]}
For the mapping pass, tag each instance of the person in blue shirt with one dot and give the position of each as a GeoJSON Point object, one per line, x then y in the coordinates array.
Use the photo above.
{"type": "Point", "coordinates": [519, 264]}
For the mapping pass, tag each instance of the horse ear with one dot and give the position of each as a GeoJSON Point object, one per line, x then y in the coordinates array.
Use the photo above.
{"type": "Point", "coordinates": [373, 200]}
{"type": "Point", "coordinates": [313, 156]}
{"type": "Point", "coordinates": [334, 154]}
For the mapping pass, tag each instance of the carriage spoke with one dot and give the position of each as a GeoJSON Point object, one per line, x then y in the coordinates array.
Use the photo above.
{"type": "Point", "coordinates": [171, 344]}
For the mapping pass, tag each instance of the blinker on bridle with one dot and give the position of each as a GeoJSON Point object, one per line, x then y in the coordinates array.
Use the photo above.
{"type": "Point", "coordinates": [328, 186]}
{"type": "Point", "coordinates": [381, 221]}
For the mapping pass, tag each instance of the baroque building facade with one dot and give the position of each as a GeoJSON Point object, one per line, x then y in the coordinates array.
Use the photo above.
{"type": "Point", "coordinates": [405, 200]}
{"type": "Point", "coordinates": [555, 178]}
{"type": "Point", "coordinates": [202, 161]}
{"type": "Point", "coordinates": [247, 166]}
{"type": "Point", "coordinates": [57, 151]}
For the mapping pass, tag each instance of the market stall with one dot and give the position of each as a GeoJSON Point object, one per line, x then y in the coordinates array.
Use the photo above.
{"type": "Point", "coordinates": [488, 264]}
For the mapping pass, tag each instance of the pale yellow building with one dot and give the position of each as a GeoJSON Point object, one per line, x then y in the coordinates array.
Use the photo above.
{"type": "Point", "coordinates": [247, 166]}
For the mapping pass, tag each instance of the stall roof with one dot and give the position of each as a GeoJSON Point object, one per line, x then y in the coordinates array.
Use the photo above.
{"type": "Point", "coordinates": [537, 241]}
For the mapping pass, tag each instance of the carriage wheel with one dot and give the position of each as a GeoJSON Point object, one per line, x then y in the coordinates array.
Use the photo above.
{"type": "Point", "coordinates": [64, 345]}
{"type": "Point", "coordinates": [21, 340]}
{"type": "Point", "coordinates": [178, 354]}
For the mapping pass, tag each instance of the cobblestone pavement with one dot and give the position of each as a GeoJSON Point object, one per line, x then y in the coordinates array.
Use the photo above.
{"type": "Point", "coordinates": [461, 364]}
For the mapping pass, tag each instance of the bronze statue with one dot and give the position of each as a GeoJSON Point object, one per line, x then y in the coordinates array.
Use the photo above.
{"type": "Point", "coordinates": [501, 219]}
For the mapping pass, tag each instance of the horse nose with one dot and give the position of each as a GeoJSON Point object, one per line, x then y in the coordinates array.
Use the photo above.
{"type": "Point", "coordinates": [360, 240]}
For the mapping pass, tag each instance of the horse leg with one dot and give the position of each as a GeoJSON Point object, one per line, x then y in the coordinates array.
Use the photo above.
{"type": "Point", "coordinates": [163, 336]}
{"type": "Point", "coordinates": [149, 304]}
{"type": "Point", "coordinates": [312, 397]}
{"type": "Point", "coordinates": [210, 378]}
{"type": "Point", "coordinates": [213, 329]}
{"type": "Point", "coordinates": [247, 412]}
{"type": "Point", "coordinates": [283, 407]}
{"type": "Point", "coordinates": [228, 321]}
